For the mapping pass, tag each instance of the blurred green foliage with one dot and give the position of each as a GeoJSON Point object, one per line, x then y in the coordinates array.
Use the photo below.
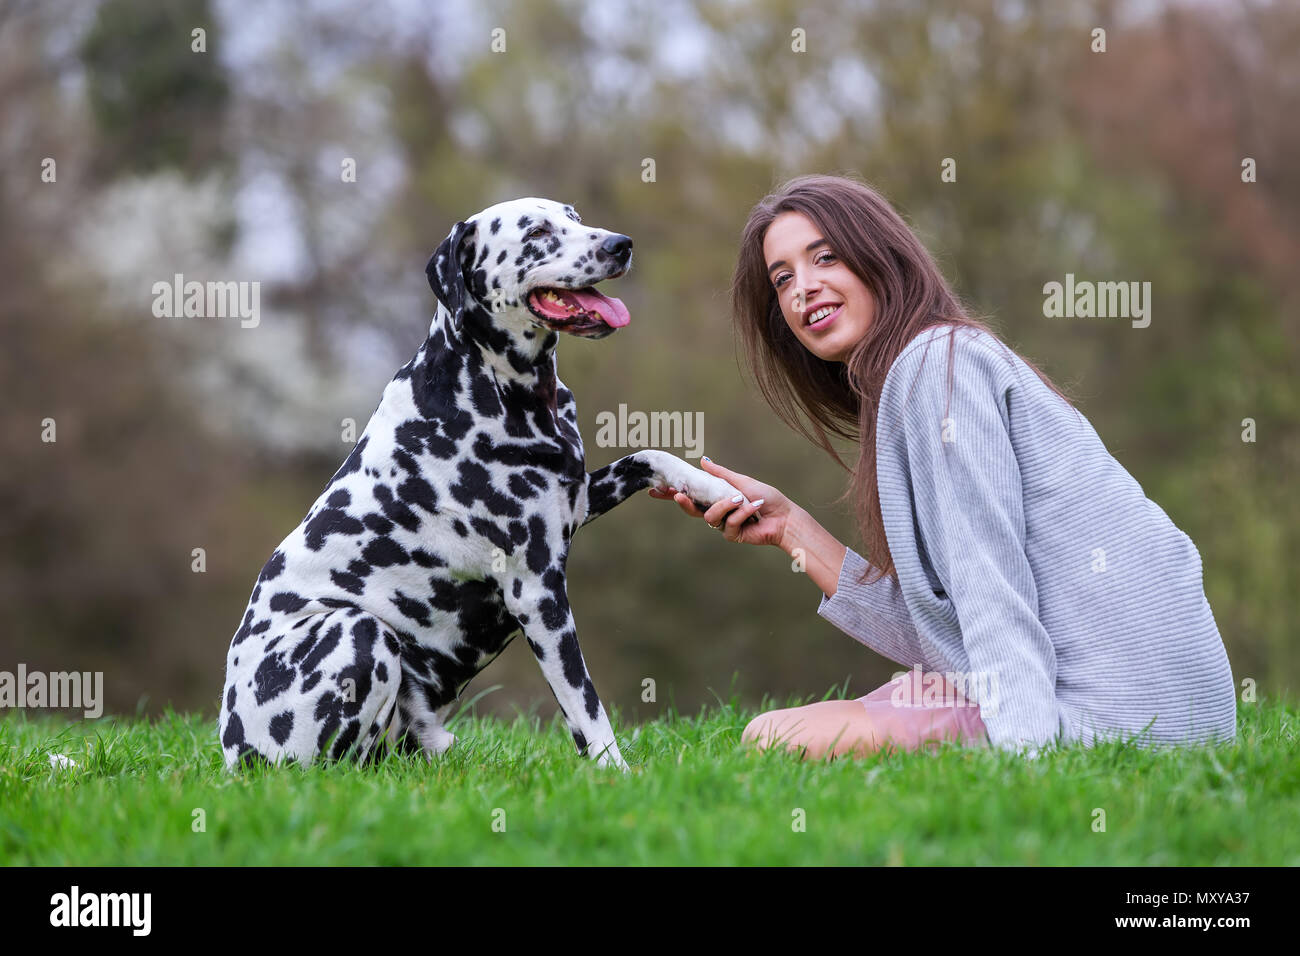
{"type": "Point", "coordinates": [158, 94]}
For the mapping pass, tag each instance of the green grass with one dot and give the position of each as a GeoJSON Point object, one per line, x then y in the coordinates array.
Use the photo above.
{"type": "Point", "coordinates": [696, 795]}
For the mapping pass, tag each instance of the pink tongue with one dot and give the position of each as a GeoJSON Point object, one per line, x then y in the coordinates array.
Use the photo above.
{"type": "Point", "coordinates": [612, 310]}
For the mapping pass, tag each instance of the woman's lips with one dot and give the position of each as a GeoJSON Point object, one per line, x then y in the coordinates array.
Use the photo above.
{"type": "Point", "coordinates": [818, 326]}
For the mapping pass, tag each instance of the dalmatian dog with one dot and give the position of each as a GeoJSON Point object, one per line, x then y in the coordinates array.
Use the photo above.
{"type": "Point", "coordinates": [444, 534]}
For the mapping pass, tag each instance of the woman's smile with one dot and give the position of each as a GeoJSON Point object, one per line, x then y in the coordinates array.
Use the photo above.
{"type": "Point", "coordinates": [828, 316]}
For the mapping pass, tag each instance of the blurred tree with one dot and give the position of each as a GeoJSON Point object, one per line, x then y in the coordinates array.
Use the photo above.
{"type": "Point", "coordinates": [156, 100]}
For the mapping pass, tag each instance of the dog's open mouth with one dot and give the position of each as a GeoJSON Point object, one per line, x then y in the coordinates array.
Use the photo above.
{"type": "Point", "coordinates": [578, 311]}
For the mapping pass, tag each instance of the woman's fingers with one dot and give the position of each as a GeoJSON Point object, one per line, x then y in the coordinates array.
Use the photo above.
{"type": "Point", "coordinates": [719, 510]}
{"type": "Point", "coordinates": [719, 514]}
{"type": "Point", "coordinates": [688, 505]}
{"type": "Point", "coordinates": [742, 514]}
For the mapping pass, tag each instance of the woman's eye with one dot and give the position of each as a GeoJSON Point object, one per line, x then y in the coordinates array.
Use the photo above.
{"type": "Point", "coordinates": [822, 257]}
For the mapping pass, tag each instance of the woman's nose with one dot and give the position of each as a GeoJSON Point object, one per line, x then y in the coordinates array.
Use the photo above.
{"type": "Point", "coordinates": [805, 294]}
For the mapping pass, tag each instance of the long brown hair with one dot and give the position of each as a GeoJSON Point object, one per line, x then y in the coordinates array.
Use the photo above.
{"type": "Point", "coordinates": [841, 398]}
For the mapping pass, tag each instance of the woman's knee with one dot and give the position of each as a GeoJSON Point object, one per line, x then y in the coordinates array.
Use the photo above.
{"type": "Point", "coordinates": [759, 730]}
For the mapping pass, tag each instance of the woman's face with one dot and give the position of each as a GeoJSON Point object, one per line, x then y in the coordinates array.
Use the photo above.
{"type": "Point", "coordinates": [808, 277]}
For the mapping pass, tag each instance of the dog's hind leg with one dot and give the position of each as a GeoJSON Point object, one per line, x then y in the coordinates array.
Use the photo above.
{"type": "Point", "coordinates": [325, 694]}
{"type": "Point", "coordinates": [418, 727]}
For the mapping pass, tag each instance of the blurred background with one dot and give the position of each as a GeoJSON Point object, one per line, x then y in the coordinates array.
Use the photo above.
{"type": "Point", "coordinates": [176, 434]}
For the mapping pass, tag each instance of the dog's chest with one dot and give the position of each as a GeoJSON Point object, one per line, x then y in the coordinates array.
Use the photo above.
{"type": "Point", "coordinates": [498, 452]}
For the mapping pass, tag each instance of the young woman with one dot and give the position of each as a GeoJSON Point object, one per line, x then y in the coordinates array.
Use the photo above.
{"type": "Point", "coordinates": [1034, 592]}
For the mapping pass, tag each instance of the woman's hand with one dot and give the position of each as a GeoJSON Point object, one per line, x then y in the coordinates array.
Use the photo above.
{"type": "Point", "coordinates": [770, 508]}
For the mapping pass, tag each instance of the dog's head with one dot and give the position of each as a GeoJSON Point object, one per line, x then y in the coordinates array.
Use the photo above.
{"type": "Point", "coordinates": [531, 263]}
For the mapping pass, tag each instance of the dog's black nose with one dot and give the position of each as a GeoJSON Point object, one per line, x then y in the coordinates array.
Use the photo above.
{"type": "Point", "coordinates": [618, 246]}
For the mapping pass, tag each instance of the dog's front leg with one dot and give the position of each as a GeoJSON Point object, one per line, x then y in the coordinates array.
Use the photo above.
{"type": "Point", "coordinates": [542, 608]}
{"type": "Point", "coordinates": [619, 480]}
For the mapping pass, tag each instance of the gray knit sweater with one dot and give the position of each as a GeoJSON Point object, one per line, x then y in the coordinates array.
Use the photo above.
{"type": "Point", "coordinates": [1032, 570]}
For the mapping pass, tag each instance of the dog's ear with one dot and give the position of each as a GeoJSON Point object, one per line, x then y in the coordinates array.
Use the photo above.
{"type": "Point", "coordinates": [446, 275]}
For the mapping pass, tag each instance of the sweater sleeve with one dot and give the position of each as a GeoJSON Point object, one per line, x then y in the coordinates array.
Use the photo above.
{"type": "Point", "coordinates": [873, 614]}
{"type": "Point", "coordinates": [969, 508]}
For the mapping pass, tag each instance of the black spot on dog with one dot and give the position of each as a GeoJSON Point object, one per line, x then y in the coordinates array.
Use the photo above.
{"type": "Point", "coordinates": [329, 714]}
{"type": "Point", "coordinates": [384, 552]}
{"type": "Point", "coordinates": [346, 739]}
{"type": "Point", "coordinates": [234, 733]}
{"type": "Point", "coordinates": [494, 533]}
{"type": "Point", "coordinates": [273, 678]}
{"type": "Point", "coordinates": [475, 484]}
{"type": "Point", "coordinates": [304, 646]}
{"type": "Point", "coordinates": [323, 648]}
{"type": "Point", "coordinates": [273, 566]}
{"type": "Point", "coordinates": [352, 462]}
{"type": "Point", "coordinates": [539, 553]}
{"type": "Point", "coordinates": [377, 523]}
{"type": "Point", "coordinates": [484, 395]}
{"type": "Point", "coordinates": [426, 560]}
{"type": "Point", "coordinates": [520, 488]}
{"type": "Point", "coordinates": [242, 634]}
{"type": "Point", "coordinates": [330, 521]}
{"type": "Point", "coordinates": [589, 698]}
{"type": "Point", "coordinates": [282, 727]}
{"type": "Point", "coordinates": [417, 491]}
{"type": "Point", "coordinates": [348, 582]}
{"type": "Point", "coordinates": [412, 608]}
{"type": "Point", "coordinates": [571, 657]}
{"type": "Point", "coordinates": [287, 601]}
{"type": "Point", "coordinates": [396, 510]}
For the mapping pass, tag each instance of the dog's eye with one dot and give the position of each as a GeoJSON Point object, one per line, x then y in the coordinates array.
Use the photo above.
{"type": "Point", "coordinates": [538, 232]}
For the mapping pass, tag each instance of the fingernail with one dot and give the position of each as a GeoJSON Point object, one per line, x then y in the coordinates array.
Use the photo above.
{"type": "Point", "coordinates": [738, 498]}
{"type": "Point", "coordinates": [706, 458]}
{"type": "Point", "coordinates": [756, 503]}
